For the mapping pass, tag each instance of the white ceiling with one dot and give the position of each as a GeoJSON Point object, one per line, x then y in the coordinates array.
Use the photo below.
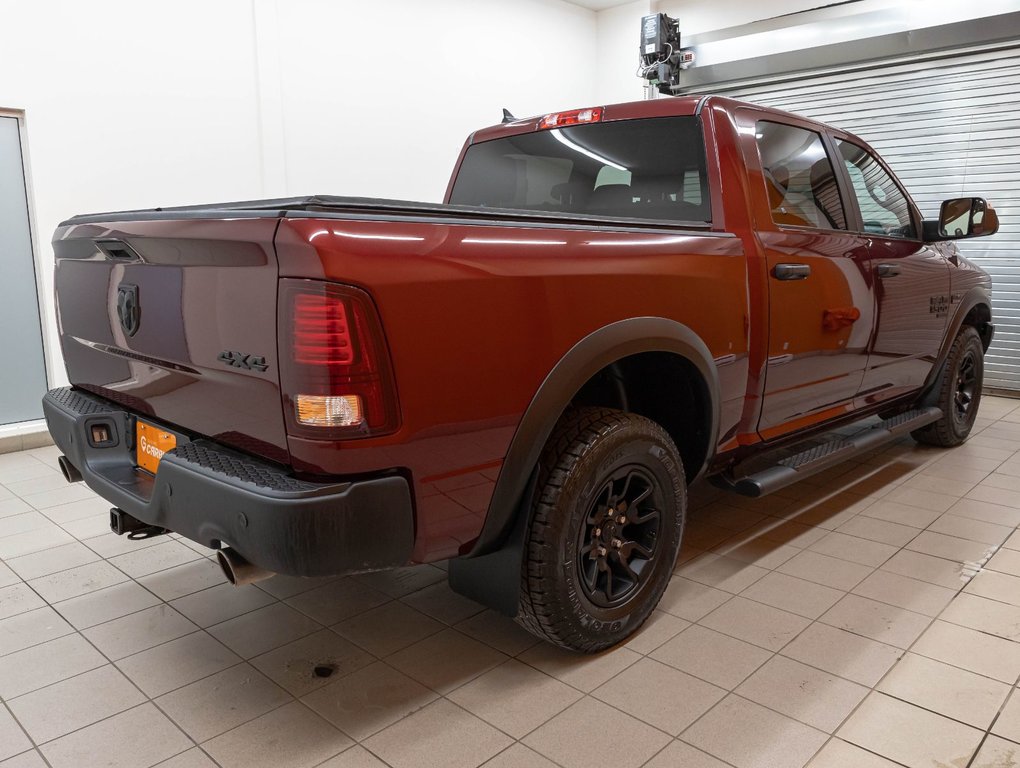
{"type": "Point", "coordinates": [598, 5]}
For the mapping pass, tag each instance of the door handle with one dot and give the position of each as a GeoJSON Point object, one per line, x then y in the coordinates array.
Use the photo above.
{"type": "Point", "coordinates": [791, 271]}
{"type": "Point", "coordinates": [887, 270]}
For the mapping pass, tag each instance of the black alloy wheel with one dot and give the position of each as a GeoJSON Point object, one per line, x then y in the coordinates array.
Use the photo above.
{"type": "Point", "coordinates": [619, 539]}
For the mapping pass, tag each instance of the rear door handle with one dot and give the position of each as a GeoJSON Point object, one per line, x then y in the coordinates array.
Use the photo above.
{"type": "Point", "coordinates": [887, 270]}
{"type": "Point", "coordinates": [791, 271]}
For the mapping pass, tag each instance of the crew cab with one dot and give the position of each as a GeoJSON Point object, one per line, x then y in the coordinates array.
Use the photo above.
{"type": "Point", "coordinates": [523, 380]}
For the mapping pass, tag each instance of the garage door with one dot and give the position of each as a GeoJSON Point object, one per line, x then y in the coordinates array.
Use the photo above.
{"type": "Point", "coordinates": [949, 127]}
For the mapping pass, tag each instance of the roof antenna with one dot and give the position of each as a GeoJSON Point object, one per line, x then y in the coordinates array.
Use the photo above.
{"type": "Point", "coordinates": [507, 117]}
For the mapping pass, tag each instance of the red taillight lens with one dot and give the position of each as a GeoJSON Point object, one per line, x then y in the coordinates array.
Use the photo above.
{"type": "Point", "coordinates": [574, 117]}
{"type": "Point", "coordinates": [335, 367]}
{"type": "Point", "coordinates": [322, 331]}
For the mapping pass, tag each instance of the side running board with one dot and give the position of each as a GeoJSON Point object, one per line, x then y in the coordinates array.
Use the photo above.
{"type": "Point", "coordinates": [820, 457]}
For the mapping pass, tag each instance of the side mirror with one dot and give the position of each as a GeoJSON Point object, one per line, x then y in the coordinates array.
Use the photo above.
{"type": "Point", "coordinates": [961, 218]}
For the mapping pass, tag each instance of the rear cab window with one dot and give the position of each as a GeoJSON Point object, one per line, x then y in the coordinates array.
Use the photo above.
{"type": "Point", "coordinates": [642, 169]}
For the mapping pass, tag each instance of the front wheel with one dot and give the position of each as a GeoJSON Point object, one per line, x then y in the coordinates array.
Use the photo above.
{"type": "Point", "coordinates": [957, 392]}
{"type": "Point", "coordinates": [606, 529]}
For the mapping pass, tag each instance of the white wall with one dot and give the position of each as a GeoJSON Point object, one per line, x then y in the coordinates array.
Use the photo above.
{"type": "Point", "coordinates": [128, 106]}
{"type": "Point", "coordinates": [133, 104]}
{"type": "Point", "coordinates": [617, 44]}
{"type": "Point", "coordinates": [379, 103]}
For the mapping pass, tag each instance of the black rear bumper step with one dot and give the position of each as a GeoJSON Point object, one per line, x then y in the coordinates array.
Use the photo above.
{"type": "Point", "coordinates": [218, 496]}
{"type": "Point", "coordinates": [818, 458]}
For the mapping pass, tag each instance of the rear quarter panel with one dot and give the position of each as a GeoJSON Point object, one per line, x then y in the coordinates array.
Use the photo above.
{"type": "Point", "coordinates": [477, 315]}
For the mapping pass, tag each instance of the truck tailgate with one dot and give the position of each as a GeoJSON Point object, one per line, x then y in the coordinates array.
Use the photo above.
{"type": "Point", "coordinates": [175, 319]}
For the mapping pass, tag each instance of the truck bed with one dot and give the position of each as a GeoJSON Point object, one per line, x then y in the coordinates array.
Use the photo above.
{"type": "Point", "coordinates": [368, 208]}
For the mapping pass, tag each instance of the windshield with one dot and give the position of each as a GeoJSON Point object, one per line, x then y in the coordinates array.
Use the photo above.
{"type": "Point", "coordinates": [643, 169]}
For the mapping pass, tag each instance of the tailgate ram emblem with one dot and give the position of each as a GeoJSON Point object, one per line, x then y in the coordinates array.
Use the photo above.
{"type": "Point", "coordinates": [128, 309]}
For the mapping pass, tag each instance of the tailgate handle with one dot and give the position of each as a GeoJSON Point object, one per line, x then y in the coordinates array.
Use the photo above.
{"type": "Point", "coordinates": [117, 250]}
{"type": "Point", "coordinates": [791, 271]}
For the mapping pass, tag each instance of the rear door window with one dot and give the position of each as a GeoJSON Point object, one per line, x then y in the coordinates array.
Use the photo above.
{"type": "Point", "coordinates": [641, 169]}
{"type": "Point", "coordinates": [799, 177]}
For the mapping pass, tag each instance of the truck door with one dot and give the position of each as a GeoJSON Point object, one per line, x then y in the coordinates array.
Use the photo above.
{"type": "Point", "coordinates": [821, 290]}
{"type": "Point", "coordinates": [912, 280]}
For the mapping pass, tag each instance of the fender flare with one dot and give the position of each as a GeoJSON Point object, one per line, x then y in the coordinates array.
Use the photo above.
{"type": "Point", "coordinates": [587, 357]}
{"type": "Point", "coordinates": [972, 298]}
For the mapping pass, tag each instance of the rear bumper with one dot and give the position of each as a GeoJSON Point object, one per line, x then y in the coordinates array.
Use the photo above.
{"type": "Point", "coordinates": [220, 497]}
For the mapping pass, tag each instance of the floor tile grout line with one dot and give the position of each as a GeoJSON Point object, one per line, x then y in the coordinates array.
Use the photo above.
{"type": "Point", "coordinates": [150, 542]}
{"type": "Point", "coordinates": [25, 732]}
{"type": "Point", "coordinates": [793, 640]}
{"type": "Point", "coordinates": [521, 739]}
{"type": "Point", "coordinates": [787, 644]}
{"type": "Point", "coordinates": [818, 669]}
{"type": "Point", "coordinates": [199, 744]}
{"type": "Point", "coordinates": [834, 737]}
{"type": "Point", "coordinates": [153, 700]}
{"type": "Point", "coordinates": [114, 663]}
{"type": "Point", "coordinates": [62, 485]}
{"type": "Point", "coordinates": [110, 661]}
{"type": "Point", "coordinates": [431, 634]}
{"type": "Point", "coordinates": [295, 698]}
{"type": "Point", "coordinates": [756, 704]}
{"type": "Point", "coordinates": [373, 754]}
{"type": "Point", "coordinates": [110, 560]}
{"type": "Point", "coordinates": [740, 594]}
{"type": "Point", "coordinates": [875, 688]}
{"type": "Point", "coordinates": [931, 621]}
{"type": "Point", "coordinates": [872, 689]}
{"type": "Point", "coordinates": [43, 642]}
{"type": "Point", "coordinates": [985, 597]}
{"type": "Point", "coordinates": [63, 570]}
{"type": "Point", "coordinates": [786, 543]}
{"type": "Point", "coordinates": [106, 663]}
{"type": "Point", "coordinates": [726, 763]}
{"type": "Point", "coordinates": [911, 578]}
{"type": "Point", "coordinates": [991, 726]}
{"type": "Point", "coordinates": [48, 742]}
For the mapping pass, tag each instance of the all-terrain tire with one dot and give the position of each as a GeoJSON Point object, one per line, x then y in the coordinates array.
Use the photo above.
{"type": "Point", "coordinates": [957, 392]}
{"type": "Point", "coordinates": [611, 497]}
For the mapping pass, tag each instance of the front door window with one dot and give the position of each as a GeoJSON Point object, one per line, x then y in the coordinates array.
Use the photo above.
{"type": "Point", "coordinates": [884, 207]}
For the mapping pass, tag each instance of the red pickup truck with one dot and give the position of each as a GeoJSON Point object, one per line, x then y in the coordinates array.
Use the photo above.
{"type": "Point", "coordinates": [525, 379]}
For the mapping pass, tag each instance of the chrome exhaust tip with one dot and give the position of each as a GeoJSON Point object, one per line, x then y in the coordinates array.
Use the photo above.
{"type": "Point", "coordinates": [68, 470]}
{"type": "Point", "coordinates": [238, 570]}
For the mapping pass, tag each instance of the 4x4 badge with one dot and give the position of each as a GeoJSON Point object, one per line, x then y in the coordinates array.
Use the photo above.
{"type": "Point", "coordinates": [241, 360]}
{"type": "Point", "coordinates": [128, 309]}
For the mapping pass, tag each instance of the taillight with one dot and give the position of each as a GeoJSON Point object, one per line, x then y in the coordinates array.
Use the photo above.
{"type": "Point", "coordinates": [322, 330]}
{"type": "Point", "coordinates": [335, 366]}
{"type": "Point", "coordinates": [574, 117]}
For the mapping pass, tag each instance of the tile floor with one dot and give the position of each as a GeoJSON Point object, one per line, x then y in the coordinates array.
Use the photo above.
{"type": "Point", "coordinates": [868, 618]}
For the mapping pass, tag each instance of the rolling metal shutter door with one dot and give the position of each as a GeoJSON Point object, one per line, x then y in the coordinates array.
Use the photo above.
{"type": "Point", "coordinates": [948, 127]}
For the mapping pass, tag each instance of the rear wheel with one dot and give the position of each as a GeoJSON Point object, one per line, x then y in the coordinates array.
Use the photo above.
{"type": "Point", "coordinates": [957, 392]}
{"type": "Point", "coordinates": [605, 531]}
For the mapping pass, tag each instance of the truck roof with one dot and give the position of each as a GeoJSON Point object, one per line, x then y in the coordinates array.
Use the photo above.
{"type": "Point", "coordinates": [675, 106]}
